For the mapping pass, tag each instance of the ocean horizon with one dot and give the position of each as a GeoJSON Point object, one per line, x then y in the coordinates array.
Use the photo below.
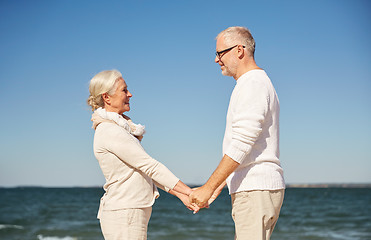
{"type": "Point", "coordinates": [69, 213]}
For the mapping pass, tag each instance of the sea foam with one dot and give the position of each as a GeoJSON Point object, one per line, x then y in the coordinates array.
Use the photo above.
{"type": "Point", "coordinates": [41, 237]}
{"type": "Point", "coordinates": [4, 226]}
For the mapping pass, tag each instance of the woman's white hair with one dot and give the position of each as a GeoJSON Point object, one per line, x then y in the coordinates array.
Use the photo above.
{"type": "Point", "coordinates": [239, 35]}
{"type": "Point", "coordinates": [103, 82]}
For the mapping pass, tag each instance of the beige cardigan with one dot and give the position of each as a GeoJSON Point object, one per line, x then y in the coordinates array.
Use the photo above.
{"type": "Point", "coordinates": [129, 171]}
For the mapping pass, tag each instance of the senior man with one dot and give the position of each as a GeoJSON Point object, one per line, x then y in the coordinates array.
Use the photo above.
{"type": "Point", "coordinates": [250, 165]}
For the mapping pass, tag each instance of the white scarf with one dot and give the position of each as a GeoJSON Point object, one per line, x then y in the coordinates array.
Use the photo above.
{"type": "Point", "coordinates": [132, 128]}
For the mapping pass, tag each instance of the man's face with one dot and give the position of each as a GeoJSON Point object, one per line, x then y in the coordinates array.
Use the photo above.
{"type": "Point", "coordinates": [227, 60]}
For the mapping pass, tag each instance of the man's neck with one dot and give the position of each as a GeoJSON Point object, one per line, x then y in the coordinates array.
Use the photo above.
{"type": "Point", "coordinates": [247, 64]}
{"type": "Point", "coordinates": [245, 70]}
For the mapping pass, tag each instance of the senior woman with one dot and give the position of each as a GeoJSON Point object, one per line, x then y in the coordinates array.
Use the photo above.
{"type": "Point", "coordinates": [131, 174]}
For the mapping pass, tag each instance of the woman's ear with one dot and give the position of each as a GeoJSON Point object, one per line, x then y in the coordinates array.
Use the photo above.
{"type": "Point", "coordinates": [106, 98]}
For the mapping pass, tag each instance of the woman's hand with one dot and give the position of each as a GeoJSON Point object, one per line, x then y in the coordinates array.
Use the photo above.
{"type": "Point", "coordinates": [182, 192]}
{"type": "Point", "coordinates": [191, 206]}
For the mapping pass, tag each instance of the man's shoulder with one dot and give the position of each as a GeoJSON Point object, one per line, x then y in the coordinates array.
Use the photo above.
{"type": "Point", "coordinates": [254, 79]}
{"type": "Point", "coordinates": [253, 75]}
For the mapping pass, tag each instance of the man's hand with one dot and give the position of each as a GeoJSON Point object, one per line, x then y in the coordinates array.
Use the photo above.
{"type": "Point", "coordinates": [200, 196]}
{"type": "Point", "coordinates": [216, 193]}
{"type": "Point", "coordinates": [191, 206]}
{"type": "Point", "coordinates": [182, 191]}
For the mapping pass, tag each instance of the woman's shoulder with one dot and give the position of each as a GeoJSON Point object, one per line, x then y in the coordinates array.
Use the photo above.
{"type": "Point", "coordinates": [108, 135]}
{"type": "Point", "coordinates": [110, 129]}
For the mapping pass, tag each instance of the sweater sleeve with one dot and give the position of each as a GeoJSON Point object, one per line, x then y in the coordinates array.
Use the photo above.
{"type": "Point", "coordinates": [128, 149]}
{"type": "Point", "coordinates": [166, 189]}
{"type": "Point", "coordinates": [248, 114]}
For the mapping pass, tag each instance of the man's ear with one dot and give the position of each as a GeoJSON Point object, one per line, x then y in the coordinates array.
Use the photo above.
{"type": "Point", "coordinates": [106, 98]}
{"type": "Point", "coordinates": [241, 53]}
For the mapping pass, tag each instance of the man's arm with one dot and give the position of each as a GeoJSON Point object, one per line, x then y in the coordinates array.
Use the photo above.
{"type": "Point", "coordinates": [216, 193]}
{"type": "Point", "coordinates": [201, 195]}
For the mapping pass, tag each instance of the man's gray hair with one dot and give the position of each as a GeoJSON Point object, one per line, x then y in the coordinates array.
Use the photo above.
{"type": "Point", "coordinates": [238, 35]}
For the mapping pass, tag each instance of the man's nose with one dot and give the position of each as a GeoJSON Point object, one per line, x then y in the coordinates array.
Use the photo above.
{"type": "Point", "coordinates": [216, 59]}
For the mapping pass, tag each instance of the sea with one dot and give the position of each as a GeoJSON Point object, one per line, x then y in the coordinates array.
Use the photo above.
{"type": "Point", "coordinates": [39, 213]}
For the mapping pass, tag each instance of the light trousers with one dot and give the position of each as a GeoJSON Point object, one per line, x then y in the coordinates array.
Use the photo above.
{"type": "Point", "coordinates": [125, 224]}
{"type": "Point", "coordinates": [255, 213]}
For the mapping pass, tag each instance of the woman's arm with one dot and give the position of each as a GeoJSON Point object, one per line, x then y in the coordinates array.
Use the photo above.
{"type": "Point", "coordinates": [182, 196]}
{"type": "Point", "coordinates": [185, 200]}
{"type": "Point", "coordinates": [182, 188]}
{"type": "Point", "coordinates": [122, 144]}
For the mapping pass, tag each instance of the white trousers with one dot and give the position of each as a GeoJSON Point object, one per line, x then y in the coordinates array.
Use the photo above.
{"type": "Point", "coordinates": [255, 213]}
{"type": "Point", "coordinates": [125, 224]}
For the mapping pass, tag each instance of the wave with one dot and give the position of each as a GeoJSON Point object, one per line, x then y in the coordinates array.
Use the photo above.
{"type": "Point", "coordinates": [5, 226]}
{"type": "Point", "coordinates": [41, 237]}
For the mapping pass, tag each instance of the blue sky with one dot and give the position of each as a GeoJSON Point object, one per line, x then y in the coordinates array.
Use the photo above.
{"type": "Point", "coordinates": [317, 54]}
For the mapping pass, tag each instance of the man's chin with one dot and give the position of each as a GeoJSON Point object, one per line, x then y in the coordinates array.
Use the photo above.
{"type": "Point", "coordinates": [126, 109]}
{"type": "Point", "coordinates": [226, 73]}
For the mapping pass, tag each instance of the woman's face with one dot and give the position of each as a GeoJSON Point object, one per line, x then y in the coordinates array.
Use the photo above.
{"type": "Point", "coordinates": [119, 101]}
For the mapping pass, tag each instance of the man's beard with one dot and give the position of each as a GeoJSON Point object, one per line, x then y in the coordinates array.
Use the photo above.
{"type": "Point", "coordinates": [230, 70]}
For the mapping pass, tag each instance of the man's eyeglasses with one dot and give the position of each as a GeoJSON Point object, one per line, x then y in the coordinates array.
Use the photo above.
{"type": "Point", "coordinates": [220, 53]}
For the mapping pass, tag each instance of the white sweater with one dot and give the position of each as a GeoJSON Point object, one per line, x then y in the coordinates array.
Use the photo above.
{"type": "Point", "coordinates": [252, 134]}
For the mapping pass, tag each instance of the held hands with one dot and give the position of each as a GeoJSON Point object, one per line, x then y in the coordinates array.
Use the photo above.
{"type": "Point", "coordinates": [196, 198]}
{"type": "Point", "coordinates": [191, 206]}
{"type": "Point", "coordinates": [200, 196]}
{"type": "Point", "coordinates": [187, 200]}
{"type": "Point", "coordinates": [204, 196]}
{"type": "Point", "coordinates": [182, 191]}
